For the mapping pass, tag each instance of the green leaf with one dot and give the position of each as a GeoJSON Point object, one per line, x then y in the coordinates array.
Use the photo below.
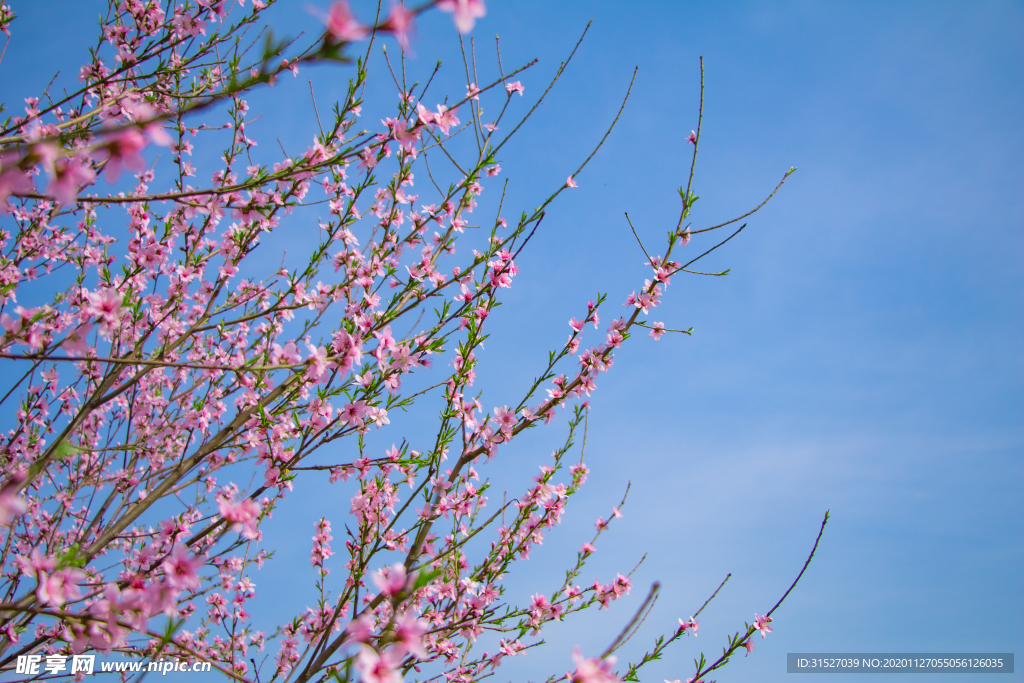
{"type": "Point", "coordinates": [71, 558]}
{"type": "Point", "coordinates": [65, 450]}
{"type": "Point", "coordinates": [423, 578]}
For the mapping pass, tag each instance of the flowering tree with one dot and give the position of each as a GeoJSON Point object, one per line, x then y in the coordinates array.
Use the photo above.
{"type": "Point", "coordinates": [169, 396]}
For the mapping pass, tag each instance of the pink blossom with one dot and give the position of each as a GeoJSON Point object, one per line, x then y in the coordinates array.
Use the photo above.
{"type": "Point", "coordinates": [423, 114]}
{"type": "Point", "coordinates": [749, 644]}
{"type": "Point", "coordinates": [692, 138]}
{"type": "Point", "coordinates": [761, 624]}
{"type": "Point", "coordinates": [658, 331]}
{"type": "Point", "coordinates": [57, 588]}
{"type": "Point", "coordinates": [367, 158]}
{"type": "Point", "coordinates": [319, 367]}
{"type": "Point", "coordinates": [321, 543]}
{"type": "Point", "coordinates": [69, 176]}
{"type": "Point", "coordinates": [466, 12]}
{"type": "Point", "coordinates": [409, 633]}
{"type": "Point", "coordinates": [353, 413]}
{"type": "Point", "coordinates": [399, 22]}
{"type": "Point", "coordinates": [359, 629]}
{"type": "Point", "coordinates": [692, 625]}
{"type": "Point", "coordinates": [375, 668]}
{"type": "Point", "coordinates": [541, 604]}
{"type": "Point", "coordinates": [182, 569]}
{"type": "Point", "coordinates": [570, 182]}
{"type": "Point", "coordinates": [392, 581]}
{"type": "Point", "coordinates": [105, 305]}
{"type": "Point", "coordinates": [342, 24]}
{"type": "Point", "coordinates": [13, 181]}
{"type": "Point", "coordinates": [515, 86]}
{"type": "Point", "coordinates": [11, 504]}
{"type": "Point", "coordinates": [506, 420]}
{"type": "Point", "coordinates": [104, 634]}
{"type": "Point", "coordinates": [593, 670]}
{"type": "Point", "coordinates": [36, 565]}
{"type": "Point", "coordinates": [445, 118]}
{"type": "Point", "coordinates": [348, 345]}
{"type": "Point", "coordinates": [122, 148]}
{"type": "Point", "coordinates": [76, 343]}
{"type": "Point", "coordinates": [242, 515]}
{"type": "Point", "coordinates": [289, 354]}
{"type": "Point", "coordinates": [400, 131]}
{"type": "Point", "coordinates": [143, 114]}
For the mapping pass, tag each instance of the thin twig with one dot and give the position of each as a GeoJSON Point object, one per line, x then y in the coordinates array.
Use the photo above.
{"type": "Point", "coordinates": [315, 110]}
{"type": "Point", "coordinates": [649, 260]}
{"type": "Point", "coordinates": [752, 211]}
{"type": "Point", "coordinates": [711, 249]}
{"type": "Point", "coordinates": [652, 597]}
{"type": "Point", "coordinates": [708, 601]}
{"type": "Point", "coordinates": [808, 562]}
{"type": "Point", "coordinates": [696, 144]}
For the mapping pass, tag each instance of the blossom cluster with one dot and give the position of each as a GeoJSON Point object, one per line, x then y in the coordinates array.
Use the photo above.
{"type": "Point", "coordinates": [173, 396]}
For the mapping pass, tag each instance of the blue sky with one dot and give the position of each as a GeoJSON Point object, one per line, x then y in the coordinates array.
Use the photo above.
{"type": "Point", "coordinates": [864, 355]}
